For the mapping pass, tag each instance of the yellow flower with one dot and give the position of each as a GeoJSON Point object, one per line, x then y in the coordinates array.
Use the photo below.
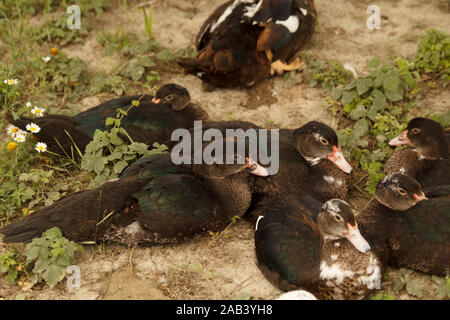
{"type": "Point", "coordinates": [41, 147]}
{"type": "Point", "coordinates": [54, 51]}
{"type": "Point", "coordinates": [12, 130]}
{"type": "Point", "coordinates": [20, 137]}
{"type": "Point", "coordinates": [11, 82]}
{"type": "Point", "coordinates": [11, 146]}
{"type": "Point", "coordinates": [39, 112]}
{"type": "Point", "coordinates": [33, 128]}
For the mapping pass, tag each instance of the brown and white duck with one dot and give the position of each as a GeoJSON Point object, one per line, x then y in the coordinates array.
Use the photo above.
{"type": "Point", "coordinates": [245, 41]}
{"type": "Point", "coordinates": [305, 244]}
{"type": "Point", "coordinates": [405, 231]}
{"type": "Point", "coordinates": [427, 158]}
{"type": "Point", "coordinates": [310, 164]}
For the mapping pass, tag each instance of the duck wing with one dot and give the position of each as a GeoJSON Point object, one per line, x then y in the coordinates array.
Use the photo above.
{"type": "Point", "coordinates": [421, 237]}
{"type": "Point", "coordinates": [94, 118]}
{"type": "Point", "coordinates": [288, 249]}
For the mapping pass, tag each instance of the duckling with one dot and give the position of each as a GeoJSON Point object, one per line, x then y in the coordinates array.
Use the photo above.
{"type": "Point", "coordinates": [154, 201]}
{"type": "Point", "coordinates": [317, 247]}
{"type": "Point", "coordinates": [245, 41]}
{"type": "Point", "coordinates": [405, 231]}
{"type": "Point", "coordinates": [153, 121]}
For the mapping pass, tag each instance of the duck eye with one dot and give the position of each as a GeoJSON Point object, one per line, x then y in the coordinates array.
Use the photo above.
{"type": "Point", "coordinates": [324, 141]}
{"type": "Point", "coordinates": [415, 131]}
{"type": "Point", "coordinates": [338, 218]}
{"type": "Point", "coordinates": [401, 191]}
{"type": "Point", "coordinates": [169, 97]}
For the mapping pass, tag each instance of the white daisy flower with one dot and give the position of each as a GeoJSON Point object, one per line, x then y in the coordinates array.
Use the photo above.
{"type": "Point", "coordinates": [41, 147]}
{"type": "Point", "coordinates": [46, 59]}
{"type": "Point", "coordinates": [20, 137]}
{"type": "Point", "coordinates": [11, 82]}
{"type": "Point", "coordinates": [39, 112]}
{"type": "Point", "coordinates": [28, 104]}
{"type": "Point", "coordinates": [12, 130]}
{"type": "Point", "coordinates": [33, 128]}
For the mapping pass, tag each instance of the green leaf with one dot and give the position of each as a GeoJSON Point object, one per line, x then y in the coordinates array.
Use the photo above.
{"type": "Point", "coordinates": [393, 96]}
{"type": "Point", "coordinates": [398, 285]}
{"type": "Point", "coordinates": [391, 83]}
{"type": "Point", "coordinates": [54, 274]}
{"type": "Point", "coordinates": [41, 265]}
{"type": "Point", "coordinates": [348, 97]}
{"type": "Point", "coordinates": [374, 63]}
{"type": "Point", "coordinates": [361, 127]}
{"type": "Point", "coordinates": [441, 291]}
{"type": "Point", "coordinates": [363, 85]}
{"type": "Point", "coordinates": [358, 113]}
{"type": "Point", "coordinates": [52, 233]}
{"type": "Point", "coordinates": [109, 121]}
{"type": "Point", "coordinates": [414, 287]}
{"type": "Point", "coordinates": [337, 94]}
{"type": "Point", "coordinates": [119, 166]}
{"type": "Point", "coordinates": [11, 276]}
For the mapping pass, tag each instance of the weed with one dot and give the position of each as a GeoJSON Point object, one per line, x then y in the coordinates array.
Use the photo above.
{"type": "Point", "coordinates": [50, 255]}
{"type": "Point", "coordinates": [378, 104]}
{"type": "Point", "coordinates": [9, 265]}
{"type": "Point", "coordinates": [433, 54]}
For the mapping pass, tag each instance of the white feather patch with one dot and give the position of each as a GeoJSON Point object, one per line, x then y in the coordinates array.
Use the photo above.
{"type": "Point", "coordinates": [257, 222]}
{"type": "Point", "coordinates": [225, 14]}
{"type": "Point", "coordinates": [250, 11]}
{"type": "Point", "coordinates": [292, 23]}
{"type": "Point", "coordinates": [334, 272]}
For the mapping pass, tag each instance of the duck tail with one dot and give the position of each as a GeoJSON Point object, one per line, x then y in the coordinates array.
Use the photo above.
{"type": "Point", "coordinates": [82, 216]}
{"type": "Point", "coordinates": [189, 65]}
{"type": "Point", "coordinates": [20, 123]}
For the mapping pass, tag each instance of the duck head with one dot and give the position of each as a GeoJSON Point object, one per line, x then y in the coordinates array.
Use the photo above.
{"type": "Point", "coordinates": [336, 220]}
{"type": "Point", "coordinates": [175, 95]}
{"type": "Point", "coordinates": [316, 141]}
{"type": "Point", "coordinates": [399, 192]}
{"type": "Point", "coordinates": [222, 165]}
{"type": "Point", "coordinates": [425, 135]}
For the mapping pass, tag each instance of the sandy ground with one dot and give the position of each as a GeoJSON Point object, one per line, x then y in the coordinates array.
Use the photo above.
{"type": "Point", "coordinates": [225, 267]}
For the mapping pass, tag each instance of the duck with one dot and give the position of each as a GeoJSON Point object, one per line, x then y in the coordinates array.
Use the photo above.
{"type": "Point", "coordinates": [405, 231]}
{"type": "Point", "coordinates": [428, 145]}
{"type": "Point", "coordinates": [152, 121]}
{"type": "Point", "coordinates": [308, 245]}
{"type": "Point", "coordinates": [154, 201]}
{"type": "Point", "coordinates": [311, 163]}
{"type": "Point", "coordinates": [245, 41]}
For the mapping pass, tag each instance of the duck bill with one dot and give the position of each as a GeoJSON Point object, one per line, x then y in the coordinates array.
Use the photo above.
{"type": "Point", "coordinates": [154, 100]}
{"type": "Point", "coordinates": [255, 168]}
{"type": "Point", "coordinates": [356, 239]}
{"type": "Point", "coordinates": [420, 197]}
{"type": "Point", "coordinates": [400, 140]}
{"type": "Point", "coordinates": [338, 159]}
